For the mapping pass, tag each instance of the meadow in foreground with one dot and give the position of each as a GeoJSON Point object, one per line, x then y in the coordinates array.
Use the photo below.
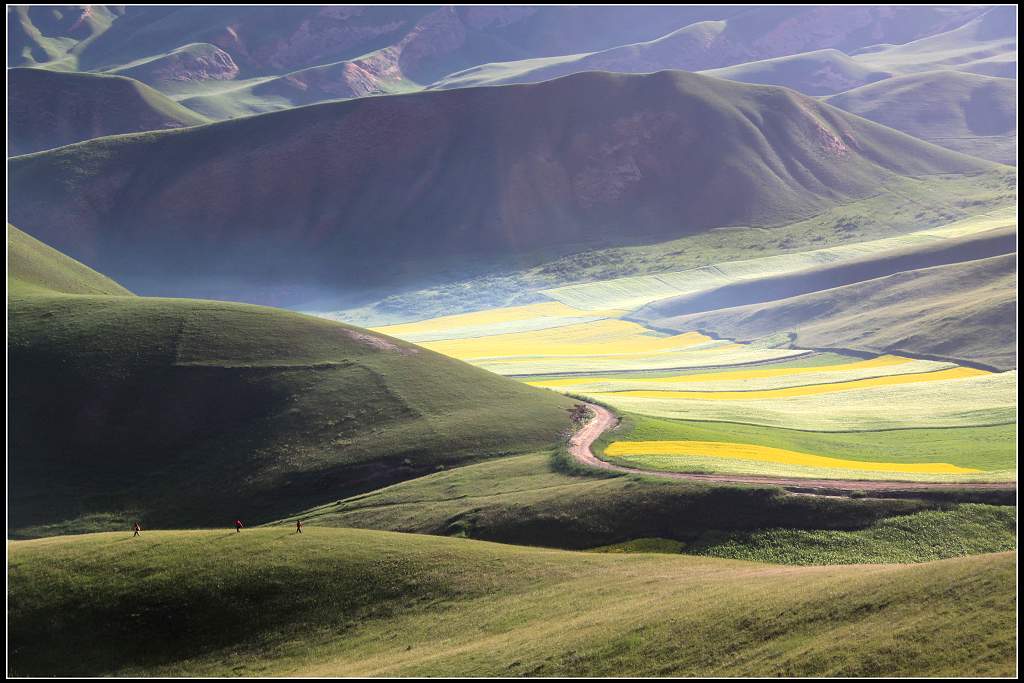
{"type": "Point", "coordinates": [350, 602]}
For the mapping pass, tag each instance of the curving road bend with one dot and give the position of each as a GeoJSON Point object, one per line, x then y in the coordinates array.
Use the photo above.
{"type": "Point", "coordinates": [603, 420]}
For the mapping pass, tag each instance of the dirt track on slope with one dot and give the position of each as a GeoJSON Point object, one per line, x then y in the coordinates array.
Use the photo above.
{"type": "Point", "coordinates": [603, 420]}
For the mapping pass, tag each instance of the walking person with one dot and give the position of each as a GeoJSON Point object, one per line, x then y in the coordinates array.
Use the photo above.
{"type": "Point", "coordinates": [238, 526]}
{"type": "Point", "coordinates": [136, 528]}
{"type": "Point", "coordinates": [298, 526]}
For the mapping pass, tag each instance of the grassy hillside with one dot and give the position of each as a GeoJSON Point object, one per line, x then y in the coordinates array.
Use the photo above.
{"type": "Point", "coordinates": [819, 72]}
{"type": "Point", "coordinates": [965, 112]}
{"type": "Point", "coordinates": [49, 109]}
{"type": "Point", "coordinates": [374, 74]}
{"type": "Point", "coordinates": [54, 35]}
{"type": "Point", "coordinates": [616, 159]}
{"type": "Point", "coordinates": [193, 412]}
{"type": "Point", "coordinates": [186, 67]}
{"type": "Point", "coordinates": [352, 602]}
{"type": "Point", "coordinates": [422, 43]}
{"type": "Point", "coordinates": [962, 311]}
{"type": "Point", "coordinates": [537, 500]}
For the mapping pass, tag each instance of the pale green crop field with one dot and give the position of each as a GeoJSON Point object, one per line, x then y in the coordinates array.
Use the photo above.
{"type": "Point", "coordinates": [736, 379]}
{"type": "Point", "coordinates": [634, 292]}
{"type": "Point", "coordinates": [968, 402]}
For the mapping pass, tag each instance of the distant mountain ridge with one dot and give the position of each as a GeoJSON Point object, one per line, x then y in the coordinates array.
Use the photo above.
{"type": "Point", "coordinates": [360, 191]}
{"type": "Point", "coordinates": [48, 109]}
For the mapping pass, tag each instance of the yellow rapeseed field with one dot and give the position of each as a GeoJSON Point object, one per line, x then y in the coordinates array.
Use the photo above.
{"type": "Point", "coordinates": [601, 337]}
{"type": "Point", "coordinates": [740, 451]}
{"type": "Point", "coordinates": [889, 380]}
{"type": "Point", "coordinates": [492, 316]}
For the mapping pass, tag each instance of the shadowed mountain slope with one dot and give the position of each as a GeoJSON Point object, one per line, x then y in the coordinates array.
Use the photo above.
{"type": "Point", "coordinates": [961, 111]}
{"type": "Point", "coordinates": [372, 190]}
{"type": "Point", "coordinates": [50, 109]}
{"type": "Point", "coordinates": [961, 311]}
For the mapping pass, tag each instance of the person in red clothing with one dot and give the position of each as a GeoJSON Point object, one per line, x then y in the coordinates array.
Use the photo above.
{"type": "Point", "coordinates": [238, 526]}
{"type": "Point", "coordinates": [136, 528]}
{"type": "Point", "coordinates": [298, 526]}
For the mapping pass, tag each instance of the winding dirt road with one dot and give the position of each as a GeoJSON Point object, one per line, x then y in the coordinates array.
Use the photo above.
{"type": "Point", "coordinates": [603, 420]}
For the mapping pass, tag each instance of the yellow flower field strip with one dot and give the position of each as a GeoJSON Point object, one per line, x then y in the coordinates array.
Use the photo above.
{"type": "Point", "coordinates": [888, 380]}
{"type": "Point", "coordinates": [740, 451]}
{"type": "Point", "coordinates": [602, 337]}
{"type": "Point", "coordinates": [492, 316]}
{"type": "Point", "coordinates": [590, 365]}
{"type": "Point", "coordinates": [755, 373]}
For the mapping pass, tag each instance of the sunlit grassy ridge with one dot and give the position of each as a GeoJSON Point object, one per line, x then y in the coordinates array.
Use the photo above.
{"type": "Point", "coordinates": [341, 601]}
{"type": "Point", "coordinates": [34, 268]}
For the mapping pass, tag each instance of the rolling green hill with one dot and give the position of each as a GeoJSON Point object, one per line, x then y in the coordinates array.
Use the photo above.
{"type": "Point", "coordinates": [198, 44]}
{"type": "Point", "coordinates": [184, 67]}
{"type": "Point", "coordinates": [985, 45]}
{"type": "Point", "coordinates": [750, 35]}
{"type": "Point", "coordinates": [353, 602]}
{"type": "Point", "coordinates": [963, 311]}
{"type": "Point", "coordinates": [965, 112]}
{"type": "Point", "coordinates": [185, 412]}
{"type": "Point", "coordinates": [540, 500]}
{"type": "Point", "coordinates": [54, 35]}
{"type": "Point", "coordinates": [819, 72]}
{"type": "Point", "coordinates": [521, 171]}
{"type": "Point", "coordinates": [49, 109]}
